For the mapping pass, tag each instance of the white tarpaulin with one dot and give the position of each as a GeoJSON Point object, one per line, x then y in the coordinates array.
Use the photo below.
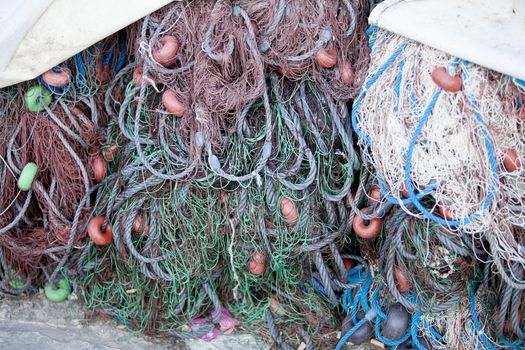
{"type": "Point", "coordinates": [490, 33]}
{"type": "Point", "coordinates": [36, 35]}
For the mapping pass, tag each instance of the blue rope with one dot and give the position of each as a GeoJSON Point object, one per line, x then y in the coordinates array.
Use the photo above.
{"type": "Point", "coordinates": [368, 84]}
{"type": "Point", "coordinates": [414, 330]}
{"type": "Point", "coordinates": [109, 54]}
{"type": "Point", "coordinates": [382, 316]}
{"type": "Point", "coordinates": [406, 201]}
{"type": "Point", "coordinates": [477, 325]}
{"type": "Point", "coordinates": [355, 307]}
{"type": "Point", "coordinates": [372, 35]}
{"type": "Point", "coordinates": [350, 332]}
{"type": "Point", "coordinates": [318, 285]}
{"type": "Point", "coordinates": [123, 52]}
{"type": "Point", "coordinates": [518, 81]}
{"type": "Point", "coordinates": [365, 138]}
{"type": "Point", "coordinates": [115, 315]}
{"type": "Point", "coordinates": [397, 87]}
{"type": "Point", "coordinates": [356, 275]}
{"type": "Point", "coordinates": [434, 333]}
{"type": "Point", "coordinates": [517, 344]}
{"type": "Point", "coordinates": [413, 100]}
{"type": "Point", "coordinates": [347, 300]}
{"type": "Point", "coordinates": [364, 294]}
{"type": "Point", "coordinates": [390, 342]}
{"type": "Point", "coordinates": [351, 304]}
{"type": "Point", "coordinates": [375, 305]}
{"type": "Point", "coordinates": [81, 72]}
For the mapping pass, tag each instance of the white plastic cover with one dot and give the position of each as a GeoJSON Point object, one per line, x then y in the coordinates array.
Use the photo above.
{"type": "Point", "coordinates": [490, 33]}
{"type": "Point", "coordinates": [36, 35]}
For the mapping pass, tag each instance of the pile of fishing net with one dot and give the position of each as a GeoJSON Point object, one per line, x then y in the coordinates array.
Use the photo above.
{"type": "Point", "coordinates": [204, 179]}
{"type": "Point", "coordinates": [270, 165]}
{"type": "Point", "coordinates": [52, 130]}
{"type": "Point", "coordinates": [232, 161]}
{"type": "Point", "coordinates": [444, 139]}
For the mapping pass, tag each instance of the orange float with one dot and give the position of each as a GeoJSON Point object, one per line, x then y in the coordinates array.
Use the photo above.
{"type": "Point", "coordinates": [402, 281]}
{"type": "Point", "coordinates": [77, 112]}
{"type": "Point", "coordinates": [257, 263]}
{"type": "Point", "coordinates": [349, 263]}
{"type": "Point", "coordinates": [109, 153]}
{"type": "Point", "coordinates": [521, 114]}
{"type": "Point", "coordinates": [165, 54]}
{"type": "Point", "coordinates": [364, 231]}
{"type": "Point", "coordinates": [99, 237]}
{"type": "Point", "coordinates": [520, 108]}
{"type": "Point", "coordinates": [511, 160]}
{"type": "Point", "coordinates": [445, 213]}
{"type": "Point", "coordinates": [326, 59]}
{"type": "Point", "coordinates": [290, 72]}
{"type": "Point", "coordinates": [254, 27]}
{"type": "Point", "coordinates": [289, 211]}
{"type": "Point", "coordinates": [105, 315]}
{"type": "Point", "coordinates": [346, 73]}
{"type": "Point", "coordinates": [57, 79]}
{"type": "Point", "coordinates": [275, 307]}
{"type": "Point", "coordinates": [102, 72]}
{"type": "Point", "coordinates": [404, 191]}
{"type": "Point", "coordinates": [375, 195]}
{"type": "Point", "coordinates": [99, 167]}
{"type": "Point", "coordinates": [173, 104]}
{"type": "Point", "coordinates": [445, 81]}
{"type": "Point", "coordinates": [137, 76]}
{"type": "Point", "coordinates": [140, 226]}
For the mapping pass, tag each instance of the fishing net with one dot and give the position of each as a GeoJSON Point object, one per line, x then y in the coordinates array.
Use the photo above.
{"type": "Point", "coordinates": [197, 172]}
{"type": "Point", "coordinates": [230, 162]}
{"type": "Point", "coordinates": [461, 147]}
{"type": "Point", "coordinates": [60, 128]}
{"type": "Point", "coordinates": [444, 139]}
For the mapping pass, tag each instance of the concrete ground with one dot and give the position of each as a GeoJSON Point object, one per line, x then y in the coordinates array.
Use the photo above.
{"type": "Point", "coordinates": [35, 323]}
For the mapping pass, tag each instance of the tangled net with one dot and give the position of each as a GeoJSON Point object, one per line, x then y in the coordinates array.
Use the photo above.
{"type": "Point", "coordinates": [444, 138]}
{"type": "Point", "coordinates": [464, 148]}
{"type": "Point", "coordinates": [197, 172]}
{"type": "Point", "coordinates": [231, 147]}
{"type": "Point", "coordinates": [59, 128]}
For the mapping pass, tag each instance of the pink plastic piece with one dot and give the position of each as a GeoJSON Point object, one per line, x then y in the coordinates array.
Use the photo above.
{"type": "Point", "coordinates": [227, 321]}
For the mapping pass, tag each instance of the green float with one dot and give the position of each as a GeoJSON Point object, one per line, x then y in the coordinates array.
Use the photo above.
{"type": "Point", "coordinates": [58, 291]}
{"type": "Point", "coordinates": [36, 98]}
{"type": "Point", "coordinates": [17, 281]}
{"type": "Point", "coordinates": [25, 181]}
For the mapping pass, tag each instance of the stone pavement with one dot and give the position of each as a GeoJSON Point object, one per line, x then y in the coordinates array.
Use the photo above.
{"type": "Point", "coordinates": [34, 323]}
{"type": "Point", "coordinates": [37, 324]}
